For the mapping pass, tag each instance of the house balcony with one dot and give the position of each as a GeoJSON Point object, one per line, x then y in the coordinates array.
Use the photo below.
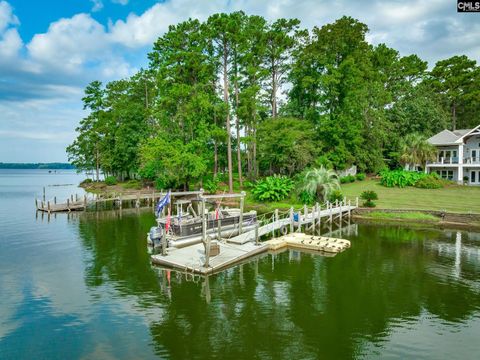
{"type": "Point", "coordinates": [443, 161]}
{"type": "Point", "coordinates": [472, 160]}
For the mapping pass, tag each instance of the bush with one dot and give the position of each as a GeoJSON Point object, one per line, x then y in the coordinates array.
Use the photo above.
{"type": "Point", "coordinates": [335, 195]}
{"type": "Point", "coordinates": [306, 197]}
{"type": "Point", "coordinates": [368, 196]}
{"type": "Point", "coordinates": [360, 176]}
{"type": "Point", "coordinates": [400, 178]}
{"type": "Point", "coordinates": [86, 181]}
{"type": "Point", "coordinates": [211, 185]}
{"type": "Point", "coordinates": [132, 184]}
{"type": "Point", "coordinates": [347, 179]}
{"type": "Point", "coordinates": [110, 180]}
{"type": "Point", "coordinates": [159, 184]}
{"type": "Point", "coordinates": [430, 182]}
{"type": "Point", "coordinates": [273, 188]}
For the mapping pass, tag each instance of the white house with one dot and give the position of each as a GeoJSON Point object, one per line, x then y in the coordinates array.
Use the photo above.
{"type": "Point", "coordinates": [458, 155]}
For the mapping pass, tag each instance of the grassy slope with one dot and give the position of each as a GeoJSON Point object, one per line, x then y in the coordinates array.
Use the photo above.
{"type": "Point", "coordinates": [454, 198]}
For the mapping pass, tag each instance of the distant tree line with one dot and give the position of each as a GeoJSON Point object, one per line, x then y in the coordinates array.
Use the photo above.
{"type": "Point", "coordinates": [50, 166]}
{"type": "Point", "coordinates": [239, 94]}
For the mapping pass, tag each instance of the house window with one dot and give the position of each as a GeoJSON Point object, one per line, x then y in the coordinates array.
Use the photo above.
{"type": "Point", "coordinates": [446, 174]}
{"type": "Point", "coordinates": [472, 176]}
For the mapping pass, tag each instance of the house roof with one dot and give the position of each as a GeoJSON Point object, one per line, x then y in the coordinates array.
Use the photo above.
{"type": "Point", "coordinates": [447, 137]}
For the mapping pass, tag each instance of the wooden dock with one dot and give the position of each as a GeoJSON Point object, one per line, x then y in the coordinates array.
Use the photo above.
{"type": "Point", "coordinates": [193, 258]}
{"type": "Point", "coordinates": [82, 203]}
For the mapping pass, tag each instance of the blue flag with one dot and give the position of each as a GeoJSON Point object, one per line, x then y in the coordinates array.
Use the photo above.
{"type": "Point", "coordinates": [162, 202]}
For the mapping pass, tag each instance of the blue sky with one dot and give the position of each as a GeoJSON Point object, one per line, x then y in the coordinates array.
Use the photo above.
{"type": "Point", "coordinates": [49, 50]}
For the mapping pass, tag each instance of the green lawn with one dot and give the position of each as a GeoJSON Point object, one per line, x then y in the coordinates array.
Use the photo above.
{"type": "Point", "coordinates": [453, 198]}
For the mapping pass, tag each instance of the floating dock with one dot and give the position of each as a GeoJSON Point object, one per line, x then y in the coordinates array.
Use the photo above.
{"type": "Point", "coordinates": [192, 258]}
{"type": "Point", "coordinates": [302, 241]}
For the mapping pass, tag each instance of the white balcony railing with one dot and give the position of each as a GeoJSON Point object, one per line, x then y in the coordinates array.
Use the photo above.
{"type": "Point", "coordinates": [444, 161]}
{"type": "Point", "coordinates": [471, 160]}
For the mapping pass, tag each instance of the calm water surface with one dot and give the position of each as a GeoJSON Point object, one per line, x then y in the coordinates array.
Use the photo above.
{"type": "Point", "coordinates": [81, 287]}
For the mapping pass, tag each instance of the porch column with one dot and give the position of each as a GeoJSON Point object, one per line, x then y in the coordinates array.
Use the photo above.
{"type": "Point", "coordinates": [460, 163]}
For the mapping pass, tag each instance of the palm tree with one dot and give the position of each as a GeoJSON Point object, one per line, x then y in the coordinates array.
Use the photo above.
{"type": "Point", "coordinates": [320, 182]}
{"type": "Point", "coordinates": [416, 150]}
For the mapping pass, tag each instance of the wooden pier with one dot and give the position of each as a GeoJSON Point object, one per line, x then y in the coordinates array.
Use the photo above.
{"type": "Point", "coordinates": [75, 202]}
{"type": "Point", "coordinates": [196, 259]}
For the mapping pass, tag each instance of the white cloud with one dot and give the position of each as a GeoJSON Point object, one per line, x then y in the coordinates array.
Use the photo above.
{"type": "Point", "coordinates": [10, 41]}
{"type": "Point", "coordinates": [121, 2]}
{"type": "Point", "coordinates": [10, 44]}
{"type": "Point", "coordinates": [7, 17]}
{"type": "Point", "coordinates": [69, 43]}
{"type": "Point", "coordinates": [97, 5]}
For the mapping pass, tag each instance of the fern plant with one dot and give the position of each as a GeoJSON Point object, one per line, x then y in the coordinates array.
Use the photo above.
{"type": "Point", "coordinates": [273, 188]}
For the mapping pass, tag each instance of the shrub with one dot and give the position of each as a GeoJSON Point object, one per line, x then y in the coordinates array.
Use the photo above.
{"type": "Point", "coordinates": [368, 196]}
{"type": "Point", "coordinates": [273, 188]}
{"type": "Point", "coordinates": [86, 181]}
{"type": "Point", "coordinates": [306, 197]}
{"type": "Point", "coordinates": [159, 184]}
{"type": "Point", "coordinates": [360, 176]}
{"type": "Point", "coordinates": [347, 179]}
{"type": "Point", "coordinates": [211, 185]}
{"type": "Point", "coordinates": [319, 183]}
{"type": "Point", "coordinates": [132, 184]}
{"type": "Point", "coordinates": [400, 178]}
{"type": "Point", "coordinates": [110, 180]}
{"type": "Point", "coordinates": [335, 195]}
{"type": "Point", "coordinates": [430, 182]}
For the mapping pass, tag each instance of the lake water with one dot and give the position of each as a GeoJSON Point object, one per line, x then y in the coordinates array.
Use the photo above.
{"type": "Point", "coordinates": [81, 286]}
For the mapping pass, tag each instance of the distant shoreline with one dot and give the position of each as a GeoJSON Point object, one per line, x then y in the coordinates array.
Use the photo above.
{"type": "Point", "coordinates": [46, 166]}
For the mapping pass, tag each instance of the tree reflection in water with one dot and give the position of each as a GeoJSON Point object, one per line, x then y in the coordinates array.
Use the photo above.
{"type": "Point", "coordinates": [290, 306]}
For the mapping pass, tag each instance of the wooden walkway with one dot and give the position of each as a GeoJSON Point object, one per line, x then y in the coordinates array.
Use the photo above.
{"type": "Point", "coordinates": [135, 200]}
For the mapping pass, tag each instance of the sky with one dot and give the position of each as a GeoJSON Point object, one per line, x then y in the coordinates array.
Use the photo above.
{"type": "Point", "coordinates": [50, 49]}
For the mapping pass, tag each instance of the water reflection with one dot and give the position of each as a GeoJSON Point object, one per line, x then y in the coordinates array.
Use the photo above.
{"type": "Point", "coordinates": [293, 304]}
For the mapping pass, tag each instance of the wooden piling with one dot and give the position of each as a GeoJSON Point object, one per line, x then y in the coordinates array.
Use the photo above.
{"type": "Point", "coordinates": [256, 234]}
{"type": "Point", "coordinates": [219, 229]}
{"type": "Point", "coordinates": [291, 219]}
{"type": "Point", "coordinates": [240, 225]}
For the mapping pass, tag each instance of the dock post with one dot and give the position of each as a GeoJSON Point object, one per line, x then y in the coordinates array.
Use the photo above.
{"type": "Point", "coordinates": [36, 203]}
{"type": "Point", "coordinates": [68, 204]}
{"type": "Point", "coordinates": [71, 197]}
{"type": "Point", "coordinates": [319, 219]}
{"type": "Point", "coordinates": [356, 202]}
{"type": "Point", "coordinates": [349, 209]}
{"type": "Point", "coordinates": [316, 222]}
{"type": "Point", "coordinates": [120, 201]}
{"type": "Point", "coordinates": [331, 213]}
{"type": "Point", "coordinates": [76, 197]}
{"type": "Point", "coordinates": [44, 194]}
{"type": "Point", "coordinates": [204, 222]}
{"type": "Point", "coordinates": [275, 220]}
{"type": "Point", "coordinates": [54, 199]}
{"type": "Point", "coordinates": [219, 228]}
{"type": "Point", "coordinates": [48, 206]}
{"type": "Point", "coordinates": [291, 219]}
{"type": "Point", "coordinates": [341, 202]}
{"type": "Point", "coordinates": [256, 233]}
{"type": "Point", "coordinates": [240, 225]}
{"type": "Point", "coordinates": [207, 253]}
{"type": "Point", "coordinates": [164, 241]}
{"type": "Point", "coordinates": [305, 214]}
